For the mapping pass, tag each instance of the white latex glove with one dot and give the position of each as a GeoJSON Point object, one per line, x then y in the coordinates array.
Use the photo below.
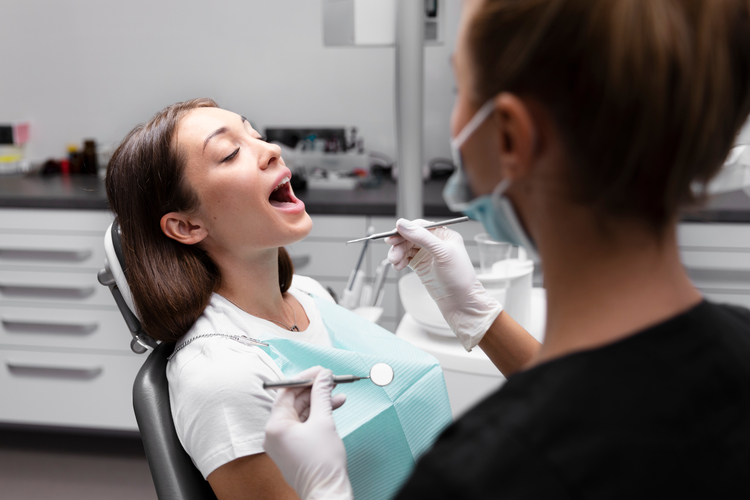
{"type": "Point", "coordinates": [301, 439]}
{"type": "Point", "coordinates": [439, 258]}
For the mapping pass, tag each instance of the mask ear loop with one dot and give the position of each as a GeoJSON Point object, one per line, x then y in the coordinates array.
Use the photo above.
{"type": "Point", "coordinates": [480, 116]}
{"type": "Point", "coordinates": [501, 188]}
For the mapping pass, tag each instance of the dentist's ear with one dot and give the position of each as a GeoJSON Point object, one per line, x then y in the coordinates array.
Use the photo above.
{"type": "Point", "coordinates": [180, 227]}
{"type": "Point", "coordinates": [518, 141]}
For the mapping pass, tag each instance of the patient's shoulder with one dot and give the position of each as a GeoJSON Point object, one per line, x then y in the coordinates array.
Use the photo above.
{"type": "Point", "coordinates": [209, 354]}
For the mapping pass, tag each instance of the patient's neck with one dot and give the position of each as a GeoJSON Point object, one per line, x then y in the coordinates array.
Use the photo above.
{"type": "Point", "coordinates": [252, 283]}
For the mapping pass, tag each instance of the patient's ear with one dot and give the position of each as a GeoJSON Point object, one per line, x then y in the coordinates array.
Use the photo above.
{"type": "Point", "coordinates": [182, 228]}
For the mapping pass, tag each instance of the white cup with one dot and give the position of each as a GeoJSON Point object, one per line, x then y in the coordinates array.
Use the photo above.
{"type": "Point", "coordinates": [510, 282]}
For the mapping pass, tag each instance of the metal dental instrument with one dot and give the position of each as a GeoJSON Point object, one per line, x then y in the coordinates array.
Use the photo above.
{"type": "Point", "coordinates": [394, 232]}
{"type": "Point", "coordinates": [381, 374]}
{"type": "Point", "coordinates": [350, 284]}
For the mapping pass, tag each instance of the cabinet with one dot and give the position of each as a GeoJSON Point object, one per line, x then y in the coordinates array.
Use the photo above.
{"type": "Point", "coordinates": [717, 259]}
{"type": "Point", "coordinates": [65, 356]}
{"type": "Point", "coordinates": [325, 256]}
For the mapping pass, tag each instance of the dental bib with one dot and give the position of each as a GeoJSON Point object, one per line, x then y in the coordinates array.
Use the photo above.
{"type": "Point", "coordinates": [384, 429]}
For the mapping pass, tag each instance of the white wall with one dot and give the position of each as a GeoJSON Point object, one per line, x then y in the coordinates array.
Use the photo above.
{"type": "Point", "coordinates": [96, 68]}
{"type": "Point", "coordinates": [744, 136]}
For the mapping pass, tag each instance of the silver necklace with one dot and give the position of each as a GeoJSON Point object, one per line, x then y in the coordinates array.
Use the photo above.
{"type": "Point", "coordinates": [293, 328]}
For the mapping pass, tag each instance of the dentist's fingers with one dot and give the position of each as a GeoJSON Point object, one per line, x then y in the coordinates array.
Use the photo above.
{"type": "Point", "coordinates": [283, 408]}
{"type": "Point", "coordinates": [398, 238]}
{"type": "Point", "coordinates": [302, 404]}
{"type": "Point", "coordinates": [338, 400]}
{"type": "Point", "coordinates": [394, 240]}
{"type": "Point", "coordinates": [321, 405]}
{"type": "Point", "coordinates": [401, 255]}
{"type": "Point", "coordinates": [417, 234]}
{"type": "Point", "coordinates": [398, 252]}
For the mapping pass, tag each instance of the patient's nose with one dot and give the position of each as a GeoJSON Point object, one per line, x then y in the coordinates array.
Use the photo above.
{"type": "Point", "coordinates": [270, 154]}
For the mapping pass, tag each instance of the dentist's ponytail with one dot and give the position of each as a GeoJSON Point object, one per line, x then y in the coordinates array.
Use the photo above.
{"type": "Point", "coordinates": [171, 283]}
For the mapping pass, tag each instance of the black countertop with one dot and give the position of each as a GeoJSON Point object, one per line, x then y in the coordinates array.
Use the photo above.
{"type": "Point", "coordinates": [82, 192]}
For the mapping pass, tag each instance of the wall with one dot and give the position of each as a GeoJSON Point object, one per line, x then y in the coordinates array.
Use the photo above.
{"type": "Point", "coordinates": [96, 68]}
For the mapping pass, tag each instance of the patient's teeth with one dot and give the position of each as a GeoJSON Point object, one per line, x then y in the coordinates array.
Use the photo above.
{"type": "Point", "coordinates": [283, 181]}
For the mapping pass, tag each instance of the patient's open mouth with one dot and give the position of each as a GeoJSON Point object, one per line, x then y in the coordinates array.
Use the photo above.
{"type": "Point", "coordinates": [282, 194]}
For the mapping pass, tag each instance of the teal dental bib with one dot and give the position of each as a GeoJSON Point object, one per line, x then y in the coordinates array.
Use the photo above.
{"type": "Point", "coordinates": [385, 429]}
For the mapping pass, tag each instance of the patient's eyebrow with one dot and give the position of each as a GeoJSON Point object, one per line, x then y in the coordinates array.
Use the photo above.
{"type": "Point", "coordinates": [214, 133]}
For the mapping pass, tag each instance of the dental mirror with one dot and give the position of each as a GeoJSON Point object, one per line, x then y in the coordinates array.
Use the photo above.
{"type": "Point", "coordinates": [381, 374]}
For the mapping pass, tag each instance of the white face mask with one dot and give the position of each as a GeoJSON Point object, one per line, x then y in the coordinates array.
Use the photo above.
{"type": "Point", "coordinates": [494, 210]}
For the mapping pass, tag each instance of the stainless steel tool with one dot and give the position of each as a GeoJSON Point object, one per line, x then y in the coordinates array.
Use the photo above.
{"type": "Point", "coordinates": [380, 374]}
{"type": "Point", "coordinates": [394, 232]}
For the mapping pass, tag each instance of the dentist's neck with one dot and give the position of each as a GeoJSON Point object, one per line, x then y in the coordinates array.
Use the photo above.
{"type": "Point", "coordinates": [606, 284]}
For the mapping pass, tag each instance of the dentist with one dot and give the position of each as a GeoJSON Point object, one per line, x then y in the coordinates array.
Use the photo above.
{"type": "Point", "coordinates": [582, 128]}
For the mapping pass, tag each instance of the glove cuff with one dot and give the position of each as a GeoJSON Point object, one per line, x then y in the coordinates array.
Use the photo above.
{"type": "Point", "coordinates": [334, 487]}
{"type": "Point", "coordinates": [470, 328]}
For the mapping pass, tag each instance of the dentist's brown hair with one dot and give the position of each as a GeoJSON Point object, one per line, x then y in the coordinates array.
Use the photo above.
{"type": "Point", "coordinates": [171, 283]}
{"type": "Point", "coordinates": [648, 95]}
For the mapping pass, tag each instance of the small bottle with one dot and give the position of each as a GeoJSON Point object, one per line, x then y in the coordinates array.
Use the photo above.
{"type": "Point", "coordinates": [74, 159]}
{"type": "Point", "coordinates": [90, 165]}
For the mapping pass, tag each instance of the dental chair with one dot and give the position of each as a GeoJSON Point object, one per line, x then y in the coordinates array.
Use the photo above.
{"type": "Point", "coordinates": [175, 477]}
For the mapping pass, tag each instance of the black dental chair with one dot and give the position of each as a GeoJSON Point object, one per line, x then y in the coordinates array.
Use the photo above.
{"type": "Point", "coordinates": [175, 477]}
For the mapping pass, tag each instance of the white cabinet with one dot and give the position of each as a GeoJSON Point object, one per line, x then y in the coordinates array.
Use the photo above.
{"type": "Point", "coordinates": [65, 356]}
{"type": "Point", "coordinates": [717, 258]}
{"type": "Point", "coordinates": [325, 256]}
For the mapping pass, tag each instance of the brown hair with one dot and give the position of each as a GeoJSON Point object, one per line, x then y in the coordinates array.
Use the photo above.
{"type": "Point", "coordinates": [648, 95]}
{"type": "Point", "coordinates": [171, 283]}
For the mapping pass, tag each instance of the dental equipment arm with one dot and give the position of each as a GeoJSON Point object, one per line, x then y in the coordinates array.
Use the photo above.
{"type": "Point", "coordinates": [440, 260]}
{"type": "Point", "coordinates": [307, 449]}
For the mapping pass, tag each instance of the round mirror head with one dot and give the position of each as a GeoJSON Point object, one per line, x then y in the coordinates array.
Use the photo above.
{"type": "Point", "coordinates": [381, 374]}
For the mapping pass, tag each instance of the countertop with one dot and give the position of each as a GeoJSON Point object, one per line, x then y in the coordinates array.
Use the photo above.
{"type": "Point", "coordinates": [83, 192]}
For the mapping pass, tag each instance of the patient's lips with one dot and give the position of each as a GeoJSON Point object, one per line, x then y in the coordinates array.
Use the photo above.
{"type": "Point", "coordinates": [283, 198]}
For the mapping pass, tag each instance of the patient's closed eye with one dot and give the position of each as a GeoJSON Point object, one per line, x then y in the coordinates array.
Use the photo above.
{"type": "Point", "coordinates": [231, 156]}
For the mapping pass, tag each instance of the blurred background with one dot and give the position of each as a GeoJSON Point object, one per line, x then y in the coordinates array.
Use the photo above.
{"type": "Point", "coordinates": [94, 69]}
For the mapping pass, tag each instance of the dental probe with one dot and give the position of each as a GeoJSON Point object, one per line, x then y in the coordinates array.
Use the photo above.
{"type": "Point", "coordinates": [394, 232]}
{"type": "Point", "coordinates": [308, 382]}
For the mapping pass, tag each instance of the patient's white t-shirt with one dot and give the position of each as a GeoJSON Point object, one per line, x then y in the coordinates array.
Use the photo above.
{"type": "Point", "coordinates": [219, 406]}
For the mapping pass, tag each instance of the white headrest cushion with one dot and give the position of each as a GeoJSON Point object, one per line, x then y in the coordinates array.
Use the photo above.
{"type": "Point", "coordinates": [113, 264]}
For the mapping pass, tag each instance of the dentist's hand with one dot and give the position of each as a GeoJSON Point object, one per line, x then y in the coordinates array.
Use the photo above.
{"type": "Point", "coordinates": [301, 439]}
{"type": "Point", "coordinates": [439, 258]}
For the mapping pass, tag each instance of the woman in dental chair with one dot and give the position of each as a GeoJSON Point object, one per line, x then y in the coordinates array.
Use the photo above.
{"type": "Point", "coordinates": [205, 207]}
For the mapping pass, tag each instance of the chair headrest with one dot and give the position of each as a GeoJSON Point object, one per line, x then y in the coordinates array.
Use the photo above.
{"type": "Point", "coordinates": [113, 276]}
{"type": "Point", "coordinates": [115, 262]}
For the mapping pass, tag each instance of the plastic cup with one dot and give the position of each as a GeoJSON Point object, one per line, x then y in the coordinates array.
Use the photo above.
{"type": "Point", "coordinates": [491, 252]}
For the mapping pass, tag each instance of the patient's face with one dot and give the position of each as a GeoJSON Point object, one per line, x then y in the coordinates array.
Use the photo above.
{"type": "Point", "coordinates": [235, 175]}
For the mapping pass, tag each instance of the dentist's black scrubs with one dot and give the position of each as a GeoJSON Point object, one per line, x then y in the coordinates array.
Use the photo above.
{"type": "Point", "coordinates": [661, 414]}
